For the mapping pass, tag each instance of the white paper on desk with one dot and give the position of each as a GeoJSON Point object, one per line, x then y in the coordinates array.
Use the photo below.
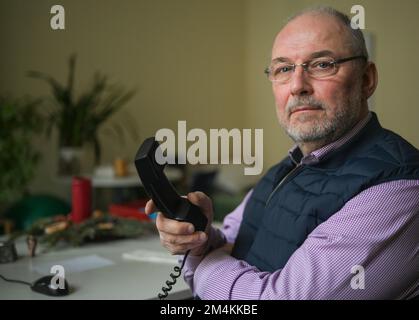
{"type": "Point", "coordinates": [73, 265]}
{"type": "Point", "coordinates": [150, 256]}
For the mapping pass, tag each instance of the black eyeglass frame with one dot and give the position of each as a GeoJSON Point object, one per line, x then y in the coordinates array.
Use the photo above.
{"type": "Point", "coordinates": [305, 65]}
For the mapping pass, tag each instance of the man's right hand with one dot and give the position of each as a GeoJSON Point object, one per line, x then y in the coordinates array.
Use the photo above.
{"type": "Point", "coordinates": [179, 237]}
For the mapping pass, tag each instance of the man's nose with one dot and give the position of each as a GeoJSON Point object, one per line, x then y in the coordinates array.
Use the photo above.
{"type": "Point", "coordinates": [300, 85]}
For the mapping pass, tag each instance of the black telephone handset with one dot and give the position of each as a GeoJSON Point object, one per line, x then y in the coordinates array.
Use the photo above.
{"type": "Point", "coordinates": [165, 197]}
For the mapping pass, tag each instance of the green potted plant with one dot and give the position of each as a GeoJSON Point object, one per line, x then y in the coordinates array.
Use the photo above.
{"type": "Point", "coordinates": [78, 120]}
{"type": "Point", "coordinates": [19, 121]}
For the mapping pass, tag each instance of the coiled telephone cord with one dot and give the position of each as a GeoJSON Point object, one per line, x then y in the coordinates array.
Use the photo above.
{"type": "Point", "coordinates": [170, 284]}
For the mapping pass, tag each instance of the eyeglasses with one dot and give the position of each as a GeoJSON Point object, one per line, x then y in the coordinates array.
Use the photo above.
{"type": "Point", "coordinates": [281, 72]}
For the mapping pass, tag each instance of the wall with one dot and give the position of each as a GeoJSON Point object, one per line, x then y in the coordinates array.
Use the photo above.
{"type": "Point", "coordinates": [184, 57]}
{"type": "Point", "coordinates": [195, 60]}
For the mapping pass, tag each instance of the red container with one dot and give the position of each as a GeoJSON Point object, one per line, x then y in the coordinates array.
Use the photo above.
{"type": "Point", "coordinates": [134, 210]}
{"type": "Point", "coordinates": [81, 199]}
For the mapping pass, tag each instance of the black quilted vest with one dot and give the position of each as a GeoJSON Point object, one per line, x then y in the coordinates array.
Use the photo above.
{"type": "Point", "coordinates": [278, 219]}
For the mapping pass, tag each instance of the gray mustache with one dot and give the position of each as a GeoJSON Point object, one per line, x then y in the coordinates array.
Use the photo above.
{"type": "Point", "coordinates": [305, 101]}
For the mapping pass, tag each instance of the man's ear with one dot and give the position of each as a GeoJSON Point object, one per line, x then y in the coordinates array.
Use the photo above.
{"type": "Point", "coordinates": [370, 79]}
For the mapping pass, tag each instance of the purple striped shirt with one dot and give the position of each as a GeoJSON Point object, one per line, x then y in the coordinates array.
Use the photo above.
{"type": "Point", "coordinates": [369, 249]}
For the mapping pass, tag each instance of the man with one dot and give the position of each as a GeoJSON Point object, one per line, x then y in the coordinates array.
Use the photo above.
{"type": "Point", "coordinates": [338, 217]}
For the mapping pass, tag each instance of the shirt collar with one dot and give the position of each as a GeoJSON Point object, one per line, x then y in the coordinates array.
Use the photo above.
{"type": "Point", "coordinates": [315, 156]}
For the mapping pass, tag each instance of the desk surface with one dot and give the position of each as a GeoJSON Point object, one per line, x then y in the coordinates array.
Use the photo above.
{"type": "Point", "coordinates": [131, 180]}
{"type": "Point", "coordinates": [123, 279]}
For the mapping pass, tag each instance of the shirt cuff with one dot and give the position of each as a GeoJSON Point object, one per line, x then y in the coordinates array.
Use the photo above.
{"type": "Point", "coordinates": [209, 268]}
{"type": "Point", "coordinates": [216, 239]}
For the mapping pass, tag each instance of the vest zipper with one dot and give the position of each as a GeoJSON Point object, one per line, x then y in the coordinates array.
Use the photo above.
{"type": "Point", "coordinates": [298, 166]}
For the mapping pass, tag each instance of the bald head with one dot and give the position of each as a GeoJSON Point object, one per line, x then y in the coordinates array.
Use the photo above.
{"type": "Point", "coordinates": [353, 39]}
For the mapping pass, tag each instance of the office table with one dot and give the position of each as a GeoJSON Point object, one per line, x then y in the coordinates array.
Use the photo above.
{"type": "Point", "coordinates": [119, 278]}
